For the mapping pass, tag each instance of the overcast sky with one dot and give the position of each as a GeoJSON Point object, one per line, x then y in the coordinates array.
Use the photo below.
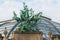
{"type": "Point", "coordinates": [50, 8]}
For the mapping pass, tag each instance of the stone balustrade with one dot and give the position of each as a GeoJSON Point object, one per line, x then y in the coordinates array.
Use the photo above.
{"type": "Point", "coordinates": [16, 35]}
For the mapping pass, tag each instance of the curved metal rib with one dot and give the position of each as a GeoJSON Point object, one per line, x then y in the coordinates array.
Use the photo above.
{"type": "Point", "coordinates": [3, 24]}
{"type": "Point", "coordinates": [12, 29]}
{"type": "Point", "coordinates": [53, 25]}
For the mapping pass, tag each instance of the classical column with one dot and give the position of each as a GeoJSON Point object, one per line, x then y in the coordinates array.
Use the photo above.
{"type": "Point", "coordinates": [5, 33]}
{"type": "Point", "coordinates": [41, 36]}
{"type": "Point", "coordinates": [57, 38]}
{"type": "Point", "coordinates": [12, 36]}
{"type": "Point", "coordinates": [17, 35]}
{"type": "Point", "coordinates": [49, 35]}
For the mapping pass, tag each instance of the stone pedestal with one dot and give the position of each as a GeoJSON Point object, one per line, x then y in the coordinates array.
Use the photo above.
{"type": "Point", "coordinates": [17, 35]}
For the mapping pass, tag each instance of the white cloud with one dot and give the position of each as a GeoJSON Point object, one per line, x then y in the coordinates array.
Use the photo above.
{"type": "Point", "coordinates": [6, 9]}
{"type": "Point", "coordinates": [50, 8]}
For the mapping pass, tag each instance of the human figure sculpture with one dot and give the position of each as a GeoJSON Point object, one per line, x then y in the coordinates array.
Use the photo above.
{"type": "Point", "coordinates": [5, 33]}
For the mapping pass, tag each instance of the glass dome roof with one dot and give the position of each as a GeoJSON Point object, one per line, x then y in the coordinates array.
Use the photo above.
{"type": "Point", "coordinates": [45, 25]}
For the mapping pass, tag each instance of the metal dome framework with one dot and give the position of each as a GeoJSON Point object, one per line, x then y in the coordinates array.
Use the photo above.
{"type": "Point", "coordinates": [45, 25]}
